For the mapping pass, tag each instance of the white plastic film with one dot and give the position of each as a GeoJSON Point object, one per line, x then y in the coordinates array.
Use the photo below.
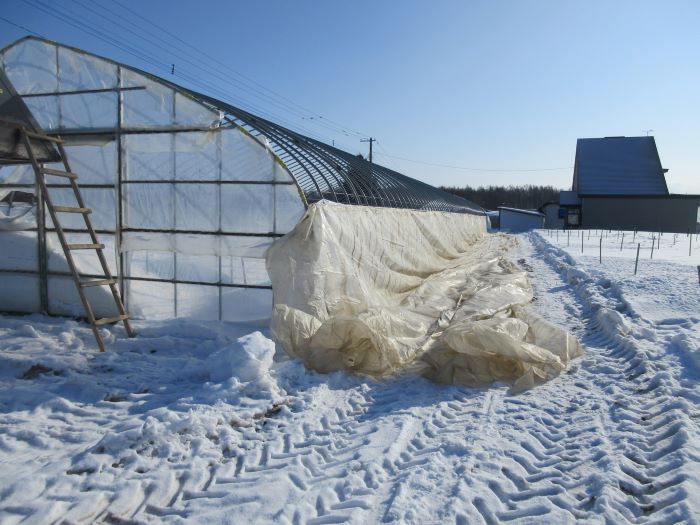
{"type": "Point", "coordinates": [150, 264]}
{"type": "Point", "coordinates": [191, 113]}
{"type": "Point", "coordinates": [250, 208]}
{"type": "Point", "coordinates": [20, 293]}
{"type": "Point", "coordinates": [102, 202]}
{"type": "Point", "coordinates": [201, 268]}
{"type": "Point", "coordinates": [150, 300]}
{"type": "Point", "coordinates": [31, 67]}
{"type": "Point", "coordinates": [79, 71]}
{"type": "Point", "coordinates": [378, 290]}
{"type": "Point", "coordinates": [246, 305]}
{"type": "Point", "coordinates": [197, 207]}
{"type": "Point", "coordinates": [149, 156]}
{"type": "Point", "coordinates": [288, 207]}
{"type": "Point", "coordinates": [196, 244]}
{"type": "Point", "coordinates": [146, 108]}
{"type": "Point", "coordinates": [88, 110]}
{"type": "Point", "coordinates": [281, 173]}
{"type": "Point", "coordinates": [19, 251]}
{"type": "Point", "coordinates": [94, 163]}
{"type": "Point", "coordinates": [18, 174]}
{"type": "Point", "coordinates": [149, 206]}
{"type": "Point", "coordinates": [196, 156]}
{"type": "Point", "coordinates": [198, 302]}
{"type": "Point", "coordinates": [64, 298]}
{"type": "Point", "coordinates": [246, 271]}
{"type": "Point", "coordinates": [45, 110]}
{"type": "Point", "coordinates": [86, 261]}
{"type": "Point", "coordinates": [244, 158]}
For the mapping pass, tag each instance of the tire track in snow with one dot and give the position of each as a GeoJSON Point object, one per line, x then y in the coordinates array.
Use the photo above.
{"type": "Point", "coordinates": [606, 439]}
{"type": "Point", "coordinates": [611, 439]}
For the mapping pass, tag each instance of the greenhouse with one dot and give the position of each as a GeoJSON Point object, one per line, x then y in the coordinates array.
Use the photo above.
{"type": "Point", "coordinates": [187, 192]}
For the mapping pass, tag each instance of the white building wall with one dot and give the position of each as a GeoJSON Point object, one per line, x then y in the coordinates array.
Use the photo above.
{"type": "Point", "coordinates": [515, 221]}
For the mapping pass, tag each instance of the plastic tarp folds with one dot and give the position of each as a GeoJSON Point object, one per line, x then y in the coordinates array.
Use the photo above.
{"type": "Point", "coordinates": [380, 291]}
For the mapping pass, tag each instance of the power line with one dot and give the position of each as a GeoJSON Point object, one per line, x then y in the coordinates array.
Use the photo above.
{"type": "Point", "coordinates": [246, 84]}
{"type": "Point", "coordinates": [219, 63]}
{"type": "Point", "coordinates": [69, 18]}
{"type": "Point", "coordinates": [450, 166]}
{"type": "Point", "coordinates": [18, 26]}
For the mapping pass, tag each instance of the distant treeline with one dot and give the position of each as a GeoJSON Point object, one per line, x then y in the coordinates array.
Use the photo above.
{"type": "Point", "coordinates": [490, 197]}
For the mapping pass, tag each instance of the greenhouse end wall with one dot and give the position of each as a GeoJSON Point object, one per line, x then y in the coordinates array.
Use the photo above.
{"type": "Point", "coordinates": [185, 202]}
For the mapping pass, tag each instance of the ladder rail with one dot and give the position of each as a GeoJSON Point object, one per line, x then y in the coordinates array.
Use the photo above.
{"type": "Point", "coordinates": [40, 173]}
{"type": "Point", "coordinates": [41, 182]}
{"type": "Point", "coordinates": [100, 253]}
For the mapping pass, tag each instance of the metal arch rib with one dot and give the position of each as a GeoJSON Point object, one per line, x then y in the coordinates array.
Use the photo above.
{"type": "Point", "coordinates": [315, 166]}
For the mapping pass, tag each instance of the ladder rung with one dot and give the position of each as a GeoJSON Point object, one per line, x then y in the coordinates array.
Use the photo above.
{"type": "Point", "coordinates": [59, 173]}
{"type": "Point", "coordinates": [97, 282]}
{"type": "Point", "coordinates": [86, 246]}
{"type": "Point", "coordinates": [72, 209]}
{"type": "Point", "coordinates": [44, 137]}
{"type": "Point", "coordinates": [108, 320]}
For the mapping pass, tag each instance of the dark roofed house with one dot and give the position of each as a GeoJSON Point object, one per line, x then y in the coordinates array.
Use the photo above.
{"type": "Point", "coordinates": [619, 184]}
{"type": "Point", "coordinates": [618, 166]}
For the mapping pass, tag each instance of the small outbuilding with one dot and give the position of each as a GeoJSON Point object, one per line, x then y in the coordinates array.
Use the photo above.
{"type": "Point", "coordinates": [517, 220]}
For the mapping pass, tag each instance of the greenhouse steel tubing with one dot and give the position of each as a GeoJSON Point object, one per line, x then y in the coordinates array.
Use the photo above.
{"type": "Point", "coordinates": [267, 130]}
{"type": "Point", "coordinates": [146, 279]}
{"type": "Point", "coordinates": [421, 195]}
{"type": "Point", "coordinates": [359, 166]}
{"type": "Point", "coordinates": [313, 164]}
{"type": "Point", "coordinates": [299, 140]}
{"type": "Point", "coordinates": [289, 153]}
{"type": "Point", "coordinates": [82, 91]}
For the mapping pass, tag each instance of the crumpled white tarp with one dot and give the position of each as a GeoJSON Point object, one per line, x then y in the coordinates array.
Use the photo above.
{"type": "Point", "coordinates": [379, 291]}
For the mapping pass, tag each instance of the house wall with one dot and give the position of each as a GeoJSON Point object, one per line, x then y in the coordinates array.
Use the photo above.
{"type": "Point", "coordinates": [551, 219]}
{"type": "Point", "coordinates": [668, 214]}
{"type": "Point", "coordinates": [520, 222]}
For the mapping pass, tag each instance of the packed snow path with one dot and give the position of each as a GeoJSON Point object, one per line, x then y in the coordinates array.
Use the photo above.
{"type": "Point", "coordinates": [140, 435]}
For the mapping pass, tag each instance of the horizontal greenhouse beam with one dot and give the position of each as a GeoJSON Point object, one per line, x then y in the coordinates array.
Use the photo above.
{"type": "Point", "coordinates": [83, 91]}
{"type": "Point", "coordinates": [145, 279]}
{"type": "Point", "coordinates": [153, 230]}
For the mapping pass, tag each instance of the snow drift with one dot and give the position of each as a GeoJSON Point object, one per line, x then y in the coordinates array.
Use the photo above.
{"type": "Point", "coordinates": [378, 291]}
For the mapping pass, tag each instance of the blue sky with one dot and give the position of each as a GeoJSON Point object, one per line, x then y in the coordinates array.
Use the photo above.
{"type": "Point", "coordinates": [503, 88]}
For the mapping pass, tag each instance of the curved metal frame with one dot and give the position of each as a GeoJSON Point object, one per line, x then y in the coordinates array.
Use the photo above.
{"type": "Point", "coordinates": [321, 171]}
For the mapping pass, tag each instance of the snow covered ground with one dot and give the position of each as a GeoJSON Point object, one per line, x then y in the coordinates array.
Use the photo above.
{"type": "Point", "coordinates": [195, 422]}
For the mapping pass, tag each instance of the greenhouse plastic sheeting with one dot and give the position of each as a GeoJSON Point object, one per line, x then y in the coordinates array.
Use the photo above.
{"type": "Point", "coordinates": [379, 291]}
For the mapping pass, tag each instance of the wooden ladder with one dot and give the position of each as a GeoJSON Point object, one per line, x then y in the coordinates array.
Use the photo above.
{"type": "Point", "coordinates": [80, 284]}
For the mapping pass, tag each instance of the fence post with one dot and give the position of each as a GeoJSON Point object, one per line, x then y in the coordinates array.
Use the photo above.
{"type": "Point", "coordinates": [600, 252]}
{"type": "Point", "coordinates": [568, 238]}
{"type": "Point", "coordinates": [622, 241]}
{"type": "Point", "coordinates": [581, 243]}
{"type": "Point", "coordinates": [690, 245]}
{"type": "Point", "coordinates": [636, 261]}
{"type": "Point", "coordinates": [653, 240]}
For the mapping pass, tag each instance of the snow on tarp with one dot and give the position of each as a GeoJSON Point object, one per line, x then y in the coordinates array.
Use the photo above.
{"type": "Point", "coordinates": [379, 291]}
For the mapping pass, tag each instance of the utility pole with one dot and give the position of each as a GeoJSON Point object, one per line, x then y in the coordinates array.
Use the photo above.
{"type": "Point", "coordinates": [370, 140]}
